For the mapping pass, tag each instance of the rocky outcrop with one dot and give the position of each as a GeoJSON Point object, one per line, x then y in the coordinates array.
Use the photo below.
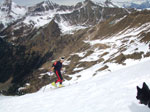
{"type": "Point", "coordinates": [47, 6]}
{"type": "Point", "coordinates": [1, 26]}
{"type": "Point", "coordinates": [89, 13]}
{"type": "Point", "coordinates": [108, 3]}
{"type": "Point", "coordinates": [7, 6]}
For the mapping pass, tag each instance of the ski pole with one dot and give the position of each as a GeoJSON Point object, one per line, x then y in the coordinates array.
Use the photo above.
{"type": "Point", "coordinates": [44, 89]}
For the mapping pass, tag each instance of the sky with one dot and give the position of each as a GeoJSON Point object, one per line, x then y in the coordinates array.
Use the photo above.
{"type": "Point", "coordinates": [32, 2]}
{"type": "Point", "coordinates": [64, 2]}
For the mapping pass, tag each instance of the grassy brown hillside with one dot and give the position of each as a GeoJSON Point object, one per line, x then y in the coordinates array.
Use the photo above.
{"type": "Point", "coordinates": [49, 44]}
{"type": "Point", "coordinates": [120, 22]}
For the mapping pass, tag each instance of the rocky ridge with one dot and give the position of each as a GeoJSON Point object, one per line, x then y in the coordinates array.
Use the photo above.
{"type": "Point", "coordinates": [108, 42]}
{"type": "Point", "coordinates": [68, 18]}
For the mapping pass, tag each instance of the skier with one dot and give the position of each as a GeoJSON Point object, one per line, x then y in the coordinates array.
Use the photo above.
{"type": "Point", "coordinates": [57, 66]}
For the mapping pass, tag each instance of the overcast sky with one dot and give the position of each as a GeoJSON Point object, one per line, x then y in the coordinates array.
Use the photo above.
{"type": "Point", "coordinates": [64, 2]}
{"type": "Point", "coordinates": [31, 2]}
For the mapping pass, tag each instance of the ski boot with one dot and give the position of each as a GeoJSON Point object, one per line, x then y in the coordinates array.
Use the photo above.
{"type": "Point", "coordinates": [60, 85]}
{"type": "Point", "coordinates": [54, 84]}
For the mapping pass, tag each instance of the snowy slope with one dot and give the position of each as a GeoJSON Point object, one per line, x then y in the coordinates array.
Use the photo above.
{"type": "Point", "coordinates": [140, 4]}
{"type": "Point", "coordinates": [15, 12]}
{"type": "Point", "coordinates": [45, 18]}
{"type": "Point", "coordinates": [106, 92]}
{"type": "Point", "coordinates": [126, 42]}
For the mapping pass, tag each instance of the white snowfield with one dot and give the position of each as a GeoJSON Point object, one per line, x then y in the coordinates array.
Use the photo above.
{"type": "Point", "coordinates": [106, 92]}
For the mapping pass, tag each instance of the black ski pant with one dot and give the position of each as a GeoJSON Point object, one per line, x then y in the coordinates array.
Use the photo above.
{"type": "Point", "coordinates": [58, 74]}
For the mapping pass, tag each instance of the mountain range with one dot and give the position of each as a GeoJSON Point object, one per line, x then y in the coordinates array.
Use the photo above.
{"type": "Point", "coordinates": [88, 34]}
{"type": "Point", "coordinates": [143, 5]}
{"type": "Point", "coordinates": [137, 4]}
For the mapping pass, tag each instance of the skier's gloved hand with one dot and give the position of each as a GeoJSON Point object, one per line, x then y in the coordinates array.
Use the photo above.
{"type": "Point", "coordinates": [50, 73]}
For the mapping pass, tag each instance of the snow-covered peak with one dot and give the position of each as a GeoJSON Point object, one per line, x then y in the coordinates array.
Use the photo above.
{"type": "Point", "coordinates": [18, 10]}
{"type": "Point", "coordinates": [10, 7]}
{"type": "Point", "coordinates": [139, 1]}
{"type": "Point", "coordinates": [43, 6]}
{"type": "Point", "coordinates": [140, 4]}
{"type": "Point", "coordinates": [103, 3]}
{"type": "Point", "coordinates": [42, 13]}
{"type": "Point", "coordinates": [86, 2]}
{"type": "Point", "coordinates": [93, 4]}
{"type": "Point", "coordinates": [7, 2]}
{"type": "Point", "coordinates": [10, 12]}
{"type": "Point", "coordinates": [108, 3]}
{"type": "Point", "coordinates": [49, 6]}
{"type": "Point", "coordinates": [6, 6]}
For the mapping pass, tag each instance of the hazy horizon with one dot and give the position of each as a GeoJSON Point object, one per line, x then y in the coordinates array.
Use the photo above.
{"type": "Point", "coordinates": [64, 2]}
